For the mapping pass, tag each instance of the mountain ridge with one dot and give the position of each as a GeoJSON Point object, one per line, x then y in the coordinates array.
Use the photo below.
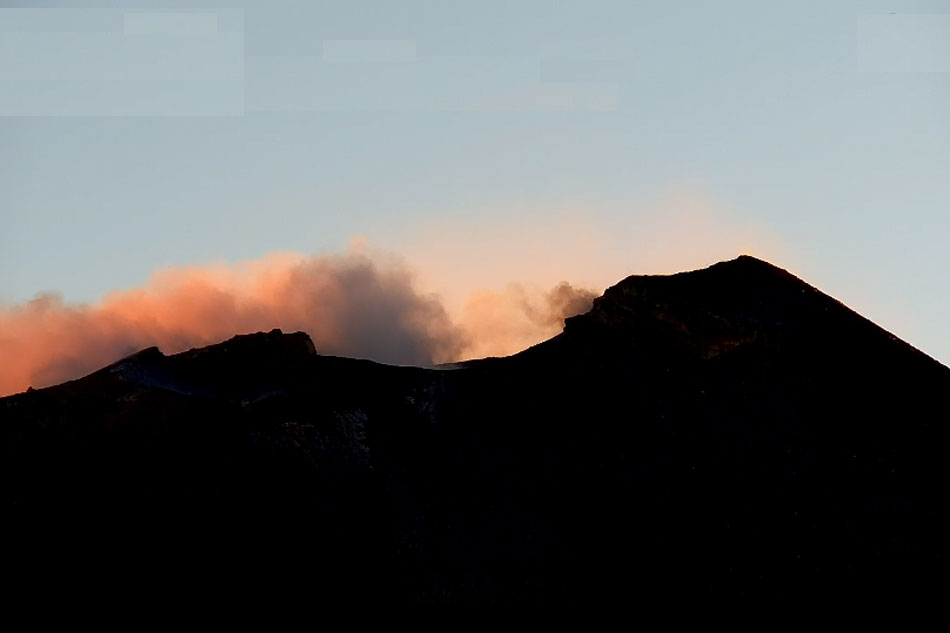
{"type": "Point", "coordinates": [717, 435]}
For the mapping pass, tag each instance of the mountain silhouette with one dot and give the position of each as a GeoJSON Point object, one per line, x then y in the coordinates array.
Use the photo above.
{"type": "Point", "coordinates": [726, 434]}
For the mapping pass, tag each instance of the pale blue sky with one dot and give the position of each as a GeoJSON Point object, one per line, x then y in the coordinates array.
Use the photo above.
{"type": "Point", "coordinates": [134, 140]}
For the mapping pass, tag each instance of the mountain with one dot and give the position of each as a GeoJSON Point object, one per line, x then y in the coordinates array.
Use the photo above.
{"type": "Point", "coordinates": [723, 435]}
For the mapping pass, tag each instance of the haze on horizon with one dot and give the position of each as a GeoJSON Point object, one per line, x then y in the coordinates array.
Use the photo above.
{"type": "Point", "coordinates": [478, 155]}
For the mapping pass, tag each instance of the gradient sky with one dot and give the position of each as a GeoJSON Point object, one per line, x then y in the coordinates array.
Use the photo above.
{"type": "Point", "coordinates": [590, 140]}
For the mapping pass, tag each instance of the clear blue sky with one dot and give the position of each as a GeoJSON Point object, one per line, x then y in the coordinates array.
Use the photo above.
{"type": "Point", "coordinates": [130, 141]}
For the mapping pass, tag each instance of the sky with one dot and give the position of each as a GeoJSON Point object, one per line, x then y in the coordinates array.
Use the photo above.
{"type": "Point", "coordinates": [481, 144]}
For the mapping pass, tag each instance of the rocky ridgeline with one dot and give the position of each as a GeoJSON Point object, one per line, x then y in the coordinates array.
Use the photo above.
{"type": "Point", "coordinates": [722, 435]}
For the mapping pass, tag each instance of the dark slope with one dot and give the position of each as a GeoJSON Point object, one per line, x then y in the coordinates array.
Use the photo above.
{"type": "Point", "coordinates": [725, 433]}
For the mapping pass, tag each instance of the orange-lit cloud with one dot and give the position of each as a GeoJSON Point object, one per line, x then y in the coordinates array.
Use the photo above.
{"type": "Point", "coordinates": [355, 304]}
{"type": "Point", "coordinates": [498, 323]}
{"type": "Point", "coordinates": [469, 288]}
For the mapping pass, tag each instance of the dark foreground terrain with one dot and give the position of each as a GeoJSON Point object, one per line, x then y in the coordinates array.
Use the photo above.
{"type": "Point", "coordinates": [729, 434]}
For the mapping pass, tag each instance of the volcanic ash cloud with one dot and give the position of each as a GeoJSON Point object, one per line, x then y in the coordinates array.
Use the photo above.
{"type": "Point", "coordinates": [352, 304]}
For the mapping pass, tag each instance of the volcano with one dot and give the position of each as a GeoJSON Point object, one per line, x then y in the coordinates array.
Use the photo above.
{"type": "Point", "coordinates": [725, 434]}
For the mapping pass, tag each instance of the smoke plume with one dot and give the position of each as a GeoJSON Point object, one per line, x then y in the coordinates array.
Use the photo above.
{"type": "Point", "coordinates": [499, 323]}
{"type": "Point", "coordinates": [352, 304]}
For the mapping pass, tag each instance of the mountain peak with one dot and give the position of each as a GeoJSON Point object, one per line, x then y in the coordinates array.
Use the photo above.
{"type": "Point", "coordinates": [725, 306]}
{"type": "Point", "coordinates": [748, 259]}
{"type": "Point", "coordinates": [729, 294]}
{"type": "Point", "coordinates": [274, 342]}
{"type": "Point", "coordinates": [245, 359]}
{"type": "Point", "coordinates": [748, 264]}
